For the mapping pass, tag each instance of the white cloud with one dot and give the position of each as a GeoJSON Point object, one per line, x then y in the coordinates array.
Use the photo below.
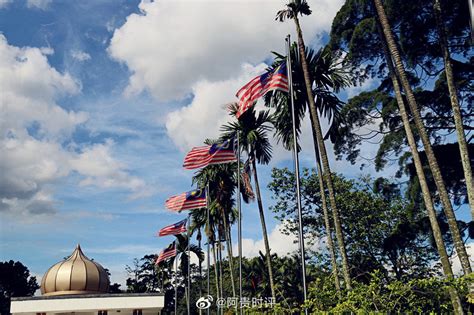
{"type": "Point", "coordinates": [203, 117]}
{"type": "Point", "coordinates": [4, 3]}
{"type": "Point", "coordinates": [80, 55]}
{"type": "Point", "coordinates": [130, 249]}
{"type": "Point", "coordinates": [367, 85]}
{"type": "Point", "coordinates": [456, 263]}
{"type": "Point", "coordinates": [33, 128]}
{"type": "Point", "coordinates": [38, 4]}
{"type": "Point", "coordinates": [280, 244]}
{"type": "Point", "coordinates": [173, 45]}
{"type": "Point", "coordinates": [102, 170]}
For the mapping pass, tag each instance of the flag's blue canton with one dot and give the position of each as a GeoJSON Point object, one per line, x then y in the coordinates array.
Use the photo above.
{"type": "Point", "coordinates": [227, 145]}
{"type": "Point", "coordinates": [180, 223]}
{"type": "Point", "coordinates": [281, 69]}
{"type": "Point", "coordinates": [195, 194]}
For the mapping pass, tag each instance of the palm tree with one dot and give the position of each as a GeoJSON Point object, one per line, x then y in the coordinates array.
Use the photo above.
{"type": "Point", "coordinates": [222, 183]}
{"type": "Point", "coordinates": [252, 131]}
{"type": "Point", "coordinates": [443, 41]}
{"type": "Point", "coordinates": [438, 237]}
{"type": "Point", "coordinates": [198, 221]}
{"type": "Point", "coordinates": [432, 161]}
{"type": "Point", "coordinates": [182, 251]}
{"type": "Point", "coordinates": [294, 8]}
{"type": "Point", "coordinates": [326, 75]}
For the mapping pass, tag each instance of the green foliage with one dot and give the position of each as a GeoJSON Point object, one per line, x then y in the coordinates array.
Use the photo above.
{"type": "Point", "coordinates": [373, 115]}
{"type": "Point", "coordinates": [383, 231]}
{"type": "Point", "coordinates": [328, 77]}
{"type": "Point", "coordinates": [15, 281]}
{"type": "Point", "coordinates": [428, 295]}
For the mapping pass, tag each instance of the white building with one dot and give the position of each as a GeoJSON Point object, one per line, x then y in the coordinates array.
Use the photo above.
{"type": "Point", "coordinates": [78, 285]}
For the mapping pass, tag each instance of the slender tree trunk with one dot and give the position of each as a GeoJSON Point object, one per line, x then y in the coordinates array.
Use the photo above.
{"type": "Point", "coordinates": [327, 220]}
{"type": "Point", "coordinates": [466, 162]}
{"type": "Point", "coordinates": [438, 237]}
{"type": "Point", "coordinates": [229, 254]}
{"type": "Point", "coordinates": [264, 227]}
{"type": "Point", "coordinates": [215, 269]}
{"type": "Point", "coordinates": [324, 157]}
{"type": "Point", "coordinates": [219, 259]}
{"type": "Point", "coordinates": [200, 263]}
{"type": "Point", "coordinates": [445, 200]}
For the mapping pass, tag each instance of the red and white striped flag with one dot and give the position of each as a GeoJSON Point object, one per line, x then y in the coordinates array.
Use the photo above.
{"type": "Point", "coordinates": [277, 79]}
{"type": "Point", "coordinates": [174, 229]}
{"type": "Point", "coordinates": [218, 153]}
{"type": "Point", "coordinates": [193, 199]}
{"type": "Point", "coordinates": [167, 253]}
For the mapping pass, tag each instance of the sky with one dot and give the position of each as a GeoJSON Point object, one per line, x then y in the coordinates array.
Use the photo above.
{"type": "Point", "coordinates": [101, 100]}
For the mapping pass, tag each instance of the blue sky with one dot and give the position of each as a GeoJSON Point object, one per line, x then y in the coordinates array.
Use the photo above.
{"type": "Point", "coordinates": [100, 102]}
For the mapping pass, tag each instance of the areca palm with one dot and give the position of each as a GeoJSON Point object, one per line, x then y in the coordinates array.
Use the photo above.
{"type": "Point", "coordinates": [182, 252]}
{"type": "Point", "coordinates": [293, 9]}
{"type": "Point", "coordinates": [252, 131]}
{"type": "Point", "coordinates": [222, 183]}
{"type": "Point", "coordinates": [327, 77]}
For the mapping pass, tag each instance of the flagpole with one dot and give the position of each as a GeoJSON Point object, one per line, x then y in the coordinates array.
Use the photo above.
{"type": "Point", "coordinates": [176, 285]}
{"type": "Point", "coordinates": [239, 225]}
{"type": "Point", "coordinates": [189, 264]}
{"type": "Point", "coordinates": [200, 267]}
{"type": "Point", "coordinates": [297, 171]}
{"type": "Point", "coordinates": [208, 244]}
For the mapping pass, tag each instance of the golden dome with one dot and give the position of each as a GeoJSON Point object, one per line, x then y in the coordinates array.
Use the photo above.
{"type": "Point", "coordinates": [75, 275]}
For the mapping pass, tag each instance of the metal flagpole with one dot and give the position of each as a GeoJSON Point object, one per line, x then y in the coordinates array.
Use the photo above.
{"type": "Point", "coordinates": [239, 225]}
{"type": "Point", "coordinates": [208, 244]}
{"type": "Point", "coordinates": [189, 264]}
{"type": "Point", "coordinates": [176, 284]}
{"type": "Point", "coordinates": [297, 169]}
{"type": "Point", "coordinates": [200, 267]}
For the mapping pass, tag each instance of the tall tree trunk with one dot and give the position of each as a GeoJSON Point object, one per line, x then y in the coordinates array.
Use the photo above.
{"type": "Point", "coordinates": [433, 163]}
{"type": "Point", "coordinates": [200, 262]}
{"type": "Point", "coordinates": [438, 237]}
{"type": "Point", "coordinates": [219, 259]}
{"type": "Point", "coordinates": [229, 254]}
{"type": "Point", "coordinates": [215, 269]}
{"type": "Point", "coordinates": [264, 227]}
{"type": "Point", "coordinates": [324, 157]}
{"type": "Point", "coordinates": [466, 162]}
{"type": "Point", "coordinates": [327, 220]}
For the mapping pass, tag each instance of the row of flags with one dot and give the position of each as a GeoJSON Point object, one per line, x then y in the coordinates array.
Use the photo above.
{"type": "Point", "coordinates": [219, 153]}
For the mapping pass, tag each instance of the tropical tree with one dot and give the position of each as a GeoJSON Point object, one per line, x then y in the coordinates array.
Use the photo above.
{"type": "Point", "coordinates": [252, 131]}
{"type": "Point", "coordinates": [295, 8]}
{"type": "Point", "coordinates": [466, 163]}
{"type": "Point", "coordinates": [328, 77]}
{"type": "Point", "coordinates": [432, 161]}
{"type": "Point", "coordinates": [15, 281]}
{"type": "Point", "coordinates": [183, 247]}
{"type": "Point", "coordinates": [222, 184]}
{"type": "Point", "coordinates": [422, 178]}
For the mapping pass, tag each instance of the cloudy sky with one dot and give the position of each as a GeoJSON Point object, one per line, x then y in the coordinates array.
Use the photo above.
{"type": "Point", "coordinates": [99, 102]}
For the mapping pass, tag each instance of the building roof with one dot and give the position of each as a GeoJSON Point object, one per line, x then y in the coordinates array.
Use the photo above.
{"type": "Point", "coordinates": [77, 274]}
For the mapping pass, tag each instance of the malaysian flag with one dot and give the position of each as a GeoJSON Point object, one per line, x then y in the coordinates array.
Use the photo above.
{"type": "Point", "coordinates": [275, 79]}
{"type": "Point", "coordinates": [217, 153]}
{"type": "Point", "coordinates": [173, 229]}
{"type": "Point", "coordinates": [193, 199]}
{"type": "Point", "coordinates": [166, 253]}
